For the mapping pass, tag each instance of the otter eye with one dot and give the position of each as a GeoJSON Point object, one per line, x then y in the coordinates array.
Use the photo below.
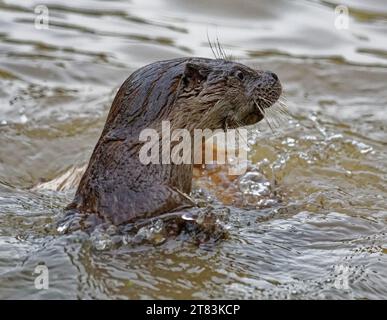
{"type": "Point", "coordinates": [239, 74]}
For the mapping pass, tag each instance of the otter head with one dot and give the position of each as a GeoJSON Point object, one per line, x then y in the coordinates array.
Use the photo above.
{"type": "Point", "coordinates": [192, 93]}
{"type": "Point", "coordinates": [220, 94]}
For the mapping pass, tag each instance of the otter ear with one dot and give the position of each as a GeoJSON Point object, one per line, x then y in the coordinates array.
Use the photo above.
{"type": "Point", "coordinates": [195, 73]}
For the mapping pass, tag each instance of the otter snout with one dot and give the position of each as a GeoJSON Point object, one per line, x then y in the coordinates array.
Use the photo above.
{"type": "Point", "coordinates": [274, 84]}
{"type": "Point", "coordinates": [273, 75]}
{"type": "Point", "coordinates": [268, 88]}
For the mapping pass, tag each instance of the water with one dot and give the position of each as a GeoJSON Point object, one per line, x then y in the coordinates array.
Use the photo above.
{"type": "Point", "coordinates": [309, 219]}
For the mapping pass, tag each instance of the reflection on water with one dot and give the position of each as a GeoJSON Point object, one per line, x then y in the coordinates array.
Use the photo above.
{"type": "Point", "coordinates": [308, 220]}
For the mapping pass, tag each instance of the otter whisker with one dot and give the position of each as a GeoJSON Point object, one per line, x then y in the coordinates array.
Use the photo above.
{"type": "Point", "coordinates": [269, 111]}
{"type": "Point", "coordinates": [280, 114]}
{"type": "Point", "coordinates": [282, 102]}
{"type": "Point", "coordinates": [238, 124]}
{"type": "Point", "coordinates": [219, 53]}
{"type": "Point", "coordinates": [270, 117]}
{"type": "Point", "coordinates": [283, 105]}
{"type": "Point", "coordinates": [277, 117]}
{"type": "Point", "coordinates": [218, 47]}
{"type": "Point", "coordinates": [240, 136]}
{"type": "Point", "coordinates": [263, 113]}
{"type": "Point", "coordinates": [284, 109]}
{"type": "Point", "coordinates": [223, 53]}
{"type": "Point", "coordinates": [268, 102]}
{"type": "Point", "coordinates": [283, 97]}
{"type": "Point", "coordinates": [211, 47]}
{"type": "Point", "coordinates": [214, 48]}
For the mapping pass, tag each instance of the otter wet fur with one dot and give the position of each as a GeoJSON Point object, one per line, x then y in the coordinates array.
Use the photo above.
{"type": "Point", "coordinates": [190, 93]}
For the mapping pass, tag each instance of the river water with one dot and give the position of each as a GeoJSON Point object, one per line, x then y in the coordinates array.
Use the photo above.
{"type": "Point", "coordinates": [309, 219]}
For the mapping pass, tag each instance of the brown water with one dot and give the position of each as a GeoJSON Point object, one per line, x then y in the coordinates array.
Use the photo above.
{"type": "Point", "coordinates": [309, 219]}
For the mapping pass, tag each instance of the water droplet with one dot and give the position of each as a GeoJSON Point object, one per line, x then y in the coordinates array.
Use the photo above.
{"type": "Point", "coordinates": [362, 147]}
{"type": "Point", "coordinates": [254, 183]}
{"type": "Point", "coordinates": [23, 119]}
{"type": "Point", "coordinates": [62, 228]}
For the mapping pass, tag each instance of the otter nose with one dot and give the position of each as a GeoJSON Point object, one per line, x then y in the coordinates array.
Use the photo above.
{"type": "Point", "coordinates": [273, 75]}
{"type": "Point", "coordinates": [271, 80]}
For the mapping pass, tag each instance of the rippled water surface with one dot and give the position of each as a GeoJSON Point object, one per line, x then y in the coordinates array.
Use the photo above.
{"type": "Point", "coordinates": [309, 218]}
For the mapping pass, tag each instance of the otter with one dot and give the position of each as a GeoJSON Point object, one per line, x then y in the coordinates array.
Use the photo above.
{"type": "Point", "coordinates": [190, 93]}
